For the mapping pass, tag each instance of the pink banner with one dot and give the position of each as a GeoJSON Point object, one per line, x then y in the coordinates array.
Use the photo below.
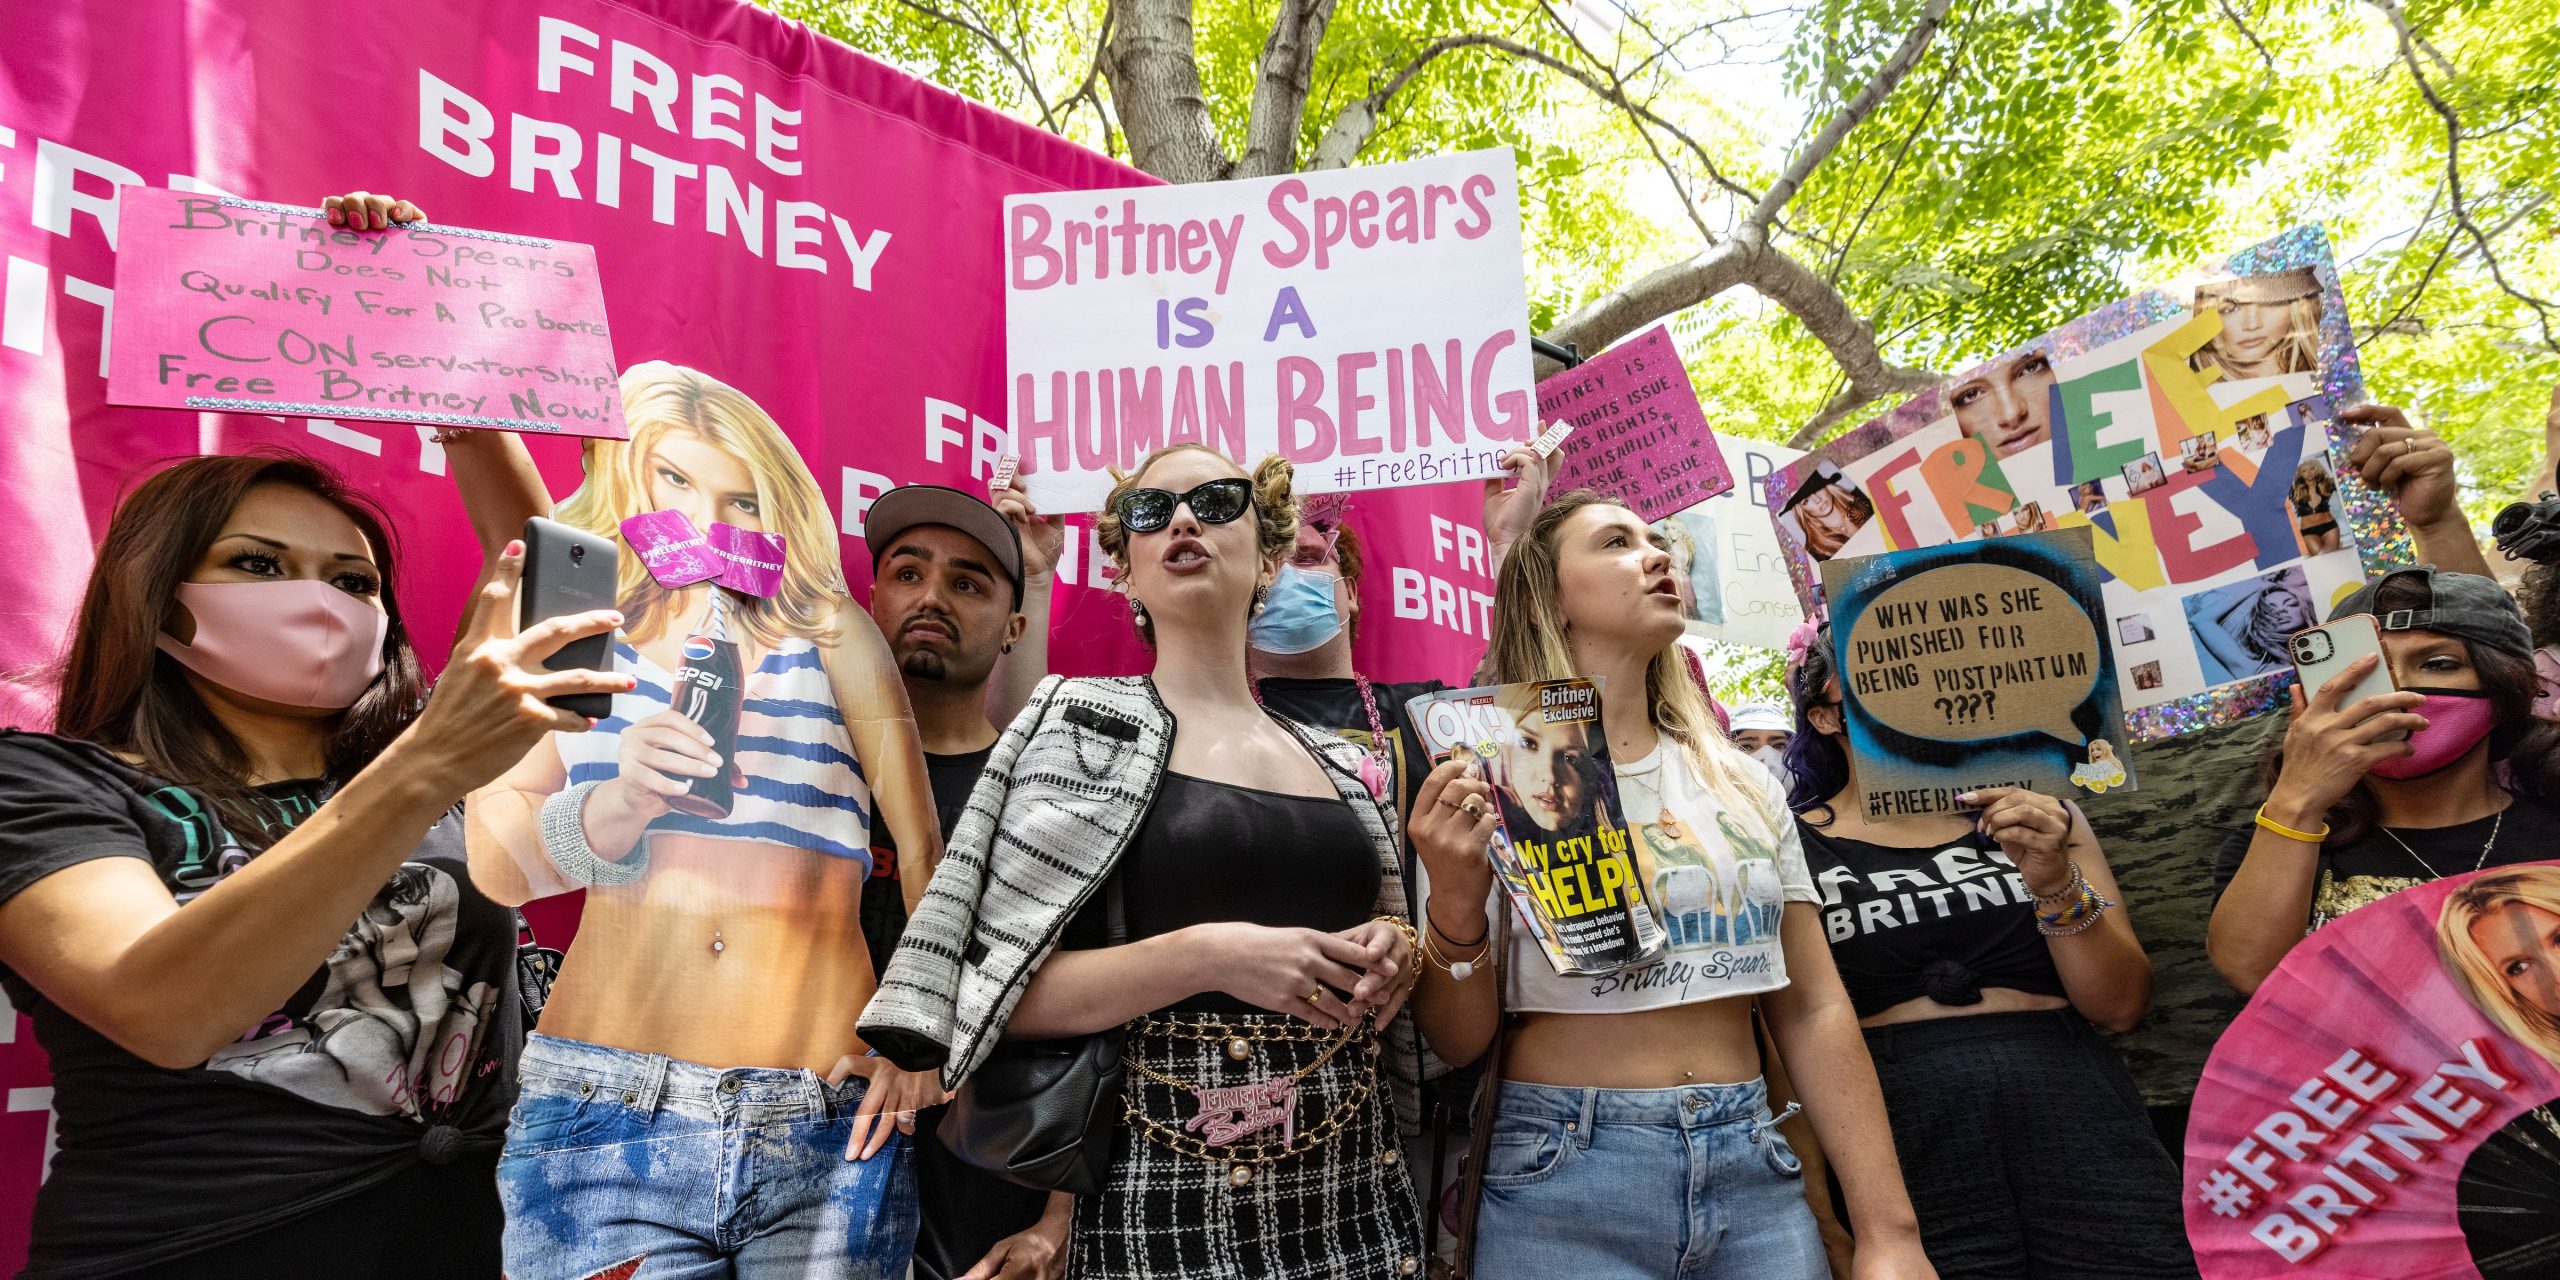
{"type": "Point", "coordinates": [2373, 1112]}
{"type": "Point", "coordinates": [1639, 434]}
{"type": "Point", "coordinates": [811, 226]}
{"type": "Point", "coordinates": [247, 306]}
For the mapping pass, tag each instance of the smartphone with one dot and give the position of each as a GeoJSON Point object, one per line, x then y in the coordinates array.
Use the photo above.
{"type": "Point", "coordinates": [2320, 653]}
{"type": "Point", "coordinates": [568, 571]}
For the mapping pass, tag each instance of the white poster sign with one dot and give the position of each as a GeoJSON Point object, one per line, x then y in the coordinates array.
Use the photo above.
{"type": "Point", "coordinates": [1733, 573]}
{"type": "Point", "coordinates": [1370, 325]}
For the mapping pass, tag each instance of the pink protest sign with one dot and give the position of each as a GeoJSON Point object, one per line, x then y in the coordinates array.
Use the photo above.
{"type": "Point", "coordinates": [1639, 435]}
{"type": "Point", "coordinates": [244, 306]}
{"type": "Point", "coordinates": [2383, 1108]}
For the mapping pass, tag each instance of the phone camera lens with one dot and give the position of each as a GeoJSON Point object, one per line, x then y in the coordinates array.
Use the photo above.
{"type": "Point", "coordinates": [577, 554]}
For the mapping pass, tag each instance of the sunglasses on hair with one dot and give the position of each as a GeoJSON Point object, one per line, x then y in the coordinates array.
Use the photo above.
{"type": "Point", "coordinates": [1217, 502]}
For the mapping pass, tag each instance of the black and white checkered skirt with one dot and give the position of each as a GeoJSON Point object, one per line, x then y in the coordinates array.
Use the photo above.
{"type": "Point", "coordinates": [1343, 1208]}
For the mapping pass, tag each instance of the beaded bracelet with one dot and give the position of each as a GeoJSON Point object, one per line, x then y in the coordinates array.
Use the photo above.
{"type": "Point", "coordinates": [2079, 917]}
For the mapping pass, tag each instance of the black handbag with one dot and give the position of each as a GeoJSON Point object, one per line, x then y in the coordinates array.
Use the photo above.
{"type": "Point", "coordinates": [1043, 1113]}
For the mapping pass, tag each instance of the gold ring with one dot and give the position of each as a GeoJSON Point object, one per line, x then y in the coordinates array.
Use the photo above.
{"type": "Point", "coordinates": [1314, 997]}
{"type": "Point", "coordinates": [1472, 807]}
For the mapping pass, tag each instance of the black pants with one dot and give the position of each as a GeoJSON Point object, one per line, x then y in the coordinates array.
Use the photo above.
{"type": "Point", "coordinates": [428, 1222]}
{"type": "Point", "coordinates": [2027, 1151]}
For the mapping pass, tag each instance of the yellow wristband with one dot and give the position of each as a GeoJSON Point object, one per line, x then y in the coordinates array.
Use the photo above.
{"type": "Point", "coordinates": [2288, 832]}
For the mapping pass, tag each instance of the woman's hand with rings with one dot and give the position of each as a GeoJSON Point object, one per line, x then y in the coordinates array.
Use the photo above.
{"type": "Point", "coordinates": [2408, 462]}
{"type": "Point", "coordinates": [1453, 820]}
{"type": "Point", "coordinates": [890, 1103]}
{"type": "Point", "coordinates": [1291, 971]}
{"type": "Point", "coordinates": [1384, 975]}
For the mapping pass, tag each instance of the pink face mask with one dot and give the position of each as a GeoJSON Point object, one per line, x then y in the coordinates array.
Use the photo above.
{"type": "Point", "coordinates": [2456, 720]}
{"type": "Point", "coordinates": [302, 643]}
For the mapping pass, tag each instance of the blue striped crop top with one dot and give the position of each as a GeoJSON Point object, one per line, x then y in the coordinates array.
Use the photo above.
{"type": "Point", "coordinates": [804, 786]}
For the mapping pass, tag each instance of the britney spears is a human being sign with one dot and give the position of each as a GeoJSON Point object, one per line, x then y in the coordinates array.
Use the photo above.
{"type": "Point", "coordinates": [1369, 325]}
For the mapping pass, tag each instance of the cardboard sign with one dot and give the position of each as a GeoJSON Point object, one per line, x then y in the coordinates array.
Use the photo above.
{"type": "Point", "coordinates": [247, 307]}
{"type": "Point", "coordinates": [1976, 666]}
{"type": "Point", "coordinates": [1370, 325]}
{"type": "Point", "coordinates": [1733, 574]}
{"type": "Point", "coordinates": [1639, 435]}
{"type": "Point", "coordinates": [2189, 428]}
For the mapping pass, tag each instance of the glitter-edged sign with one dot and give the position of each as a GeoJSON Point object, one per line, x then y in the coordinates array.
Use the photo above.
{"type": "Point", "coordinates": [246, 307]}
{"type": "Point", "coordinates": [1639, 435]}
{"type": "Point", "coordinates": [2190, 428]}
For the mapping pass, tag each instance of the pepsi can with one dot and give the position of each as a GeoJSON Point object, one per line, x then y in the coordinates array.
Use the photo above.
{"type": "Point", "coordinates": [710, 691]}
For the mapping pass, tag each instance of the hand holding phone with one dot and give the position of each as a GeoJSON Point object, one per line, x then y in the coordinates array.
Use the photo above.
{"type": "Point", "coordinates": [569, 570]}
{"type": "Point", "coordinates": [2341, 727]}
{"type": "Point", "coordinates": [2322, 653]}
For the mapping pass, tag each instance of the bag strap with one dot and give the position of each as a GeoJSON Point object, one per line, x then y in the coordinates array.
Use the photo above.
{"type": "Point", "coordinates": [1115, 914]}
{"type": "Point", "coordinates": [1471, 1186]}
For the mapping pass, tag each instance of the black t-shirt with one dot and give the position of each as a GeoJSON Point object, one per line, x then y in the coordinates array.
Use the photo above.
{"type": "Point", "coordinates": [884, 904]}
{"type": "Point", "coordinates": [1213, 851]}
{"type": "Point", "coordinates": [2363, 871]}
{"type": "Point", "coordinates": [964, 1210]}
{"type": "Point", "coordinates": [401, 1047]}
{"type": "Point", "coordinates": [1939, 922]}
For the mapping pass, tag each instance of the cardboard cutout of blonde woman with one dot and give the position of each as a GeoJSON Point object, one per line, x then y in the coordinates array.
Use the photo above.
{"type": "Point", "coordinates": [707, 1004]}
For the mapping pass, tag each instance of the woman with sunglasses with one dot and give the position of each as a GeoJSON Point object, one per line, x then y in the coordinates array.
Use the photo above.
{"type": "Point", "coordinates": [1255, 881]}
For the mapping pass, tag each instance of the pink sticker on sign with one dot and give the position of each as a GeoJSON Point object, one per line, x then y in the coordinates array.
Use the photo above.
{"type": "Point", "coordinates": [245, 307]}
{"type": "Point", "coordinates": [1639, 435]}
{"type": "Point", "coordinates": [674, 552]}
{"type": "Point", "coordinates": [750, 562]}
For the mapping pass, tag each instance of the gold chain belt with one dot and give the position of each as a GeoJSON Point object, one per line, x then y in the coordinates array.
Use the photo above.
{"type": "Point", "coordinates": [1228, 1113]}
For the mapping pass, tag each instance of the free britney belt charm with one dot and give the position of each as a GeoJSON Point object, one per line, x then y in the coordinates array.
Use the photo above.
{"type": "Point", "coordinates": [1230, 1112]}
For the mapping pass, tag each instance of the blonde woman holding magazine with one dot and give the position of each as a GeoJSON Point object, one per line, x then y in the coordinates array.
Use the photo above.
{"type": "Point", "coordinates": [1630, 1135]}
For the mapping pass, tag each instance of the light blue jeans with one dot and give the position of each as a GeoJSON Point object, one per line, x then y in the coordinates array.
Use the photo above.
{"type": "Point", "coordinates": [1642, 1184]}
{"type": "Point", "coordinates": [696, 1173]}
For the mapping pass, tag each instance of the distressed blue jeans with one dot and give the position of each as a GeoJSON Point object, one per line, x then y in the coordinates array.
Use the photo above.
{"type": "Point", "coordinates": [694, 1173]}
{"type": "Point", "coordinates": [1642, 1184]}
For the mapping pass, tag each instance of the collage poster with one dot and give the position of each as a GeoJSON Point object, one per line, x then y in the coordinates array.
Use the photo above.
{"type": "Point", "coordinates": [2191, 429]}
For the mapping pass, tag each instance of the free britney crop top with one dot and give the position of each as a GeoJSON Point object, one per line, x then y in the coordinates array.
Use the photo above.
{"type": "Point", "coordinates": [804, 787]}
{"type": "Point", "coordinates": [1942, 923]}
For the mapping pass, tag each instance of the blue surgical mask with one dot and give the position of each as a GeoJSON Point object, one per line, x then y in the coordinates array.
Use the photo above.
{"type": "Point", "coordinates": [1298, 615]}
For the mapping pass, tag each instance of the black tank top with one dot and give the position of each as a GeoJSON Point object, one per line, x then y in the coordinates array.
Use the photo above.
{"type": "Point", "coordinates": [1943, 922]}
{"type": "Point", "coordinates": [1210, 852]}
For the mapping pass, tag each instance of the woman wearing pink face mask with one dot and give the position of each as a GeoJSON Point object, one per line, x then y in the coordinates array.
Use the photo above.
{"type": "Point", "coordinates": [2448, 775]}
{"type": "Point", "coordinates": [315, 1057]}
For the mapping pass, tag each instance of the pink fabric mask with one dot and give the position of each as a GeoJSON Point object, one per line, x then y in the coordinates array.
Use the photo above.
{"type": "Point", "coordinates": [303, 643]}
{"type": "Point", "coordinates": [2456, 720]}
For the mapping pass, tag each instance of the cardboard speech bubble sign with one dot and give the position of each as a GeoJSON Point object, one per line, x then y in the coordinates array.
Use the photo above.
{"type": "Point", "coordinates": [1974, 651]}
{"type": "Point", "coordinates": [1976, 665]}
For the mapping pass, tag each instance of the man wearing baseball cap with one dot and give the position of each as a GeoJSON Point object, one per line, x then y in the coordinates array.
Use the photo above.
{"type": "Point", "coordinates": [950, 578]}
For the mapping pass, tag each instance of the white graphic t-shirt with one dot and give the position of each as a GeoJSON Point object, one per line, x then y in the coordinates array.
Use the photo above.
{"type": "Point", "coordinates": [1718, 882]}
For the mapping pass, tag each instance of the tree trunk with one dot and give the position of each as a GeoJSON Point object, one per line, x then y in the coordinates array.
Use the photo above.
{"type": "Point", "coordinates": [1153, 66]}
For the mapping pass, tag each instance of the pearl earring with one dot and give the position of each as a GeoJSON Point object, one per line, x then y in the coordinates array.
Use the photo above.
{"type": "Point", "coordinates": [1261, 597]}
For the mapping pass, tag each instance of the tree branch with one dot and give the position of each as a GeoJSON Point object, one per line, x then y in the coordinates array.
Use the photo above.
{"type": "Point", "coordinates": [1002, 50]}
{"type": "Point", "coordinates": [1878, 87]}
{"type": "Point", "coordinates": [1152, 62]}
{"type": "Point", "coordinates": [1283, 75]}
{"type": "Point", "coordinates": [2457, 204]}
{"type": "Point", "coordinates": [2242, 26]}
{"type": "Point", "coordinates": [1747, 258]}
